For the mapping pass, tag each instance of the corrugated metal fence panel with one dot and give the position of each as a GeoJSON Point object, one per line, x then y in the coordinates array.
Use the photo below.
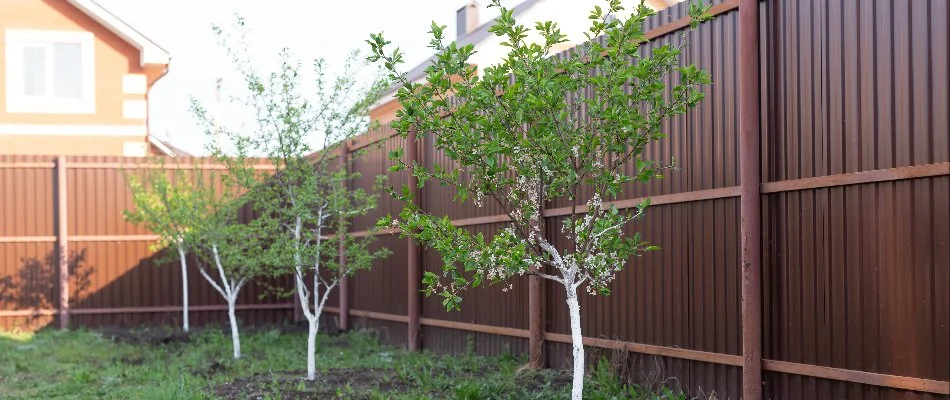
{"type": "Point", "coordinates": [26, 198]}
{"type": "Point", "coordinates": [391, 333]}
{"type": "Point", "coordinates": [439, 200]}
{"type": "Point", "coordinates": [96, 198]}
{"type": "Point", "coordinates": [853, 86]}
{"type": "Point", "coordinates": [383, 288]}
{"type": "Point", "coordinates": [98, 193]}
{"type": "Point", "coordinates": [495, 305]}
{"type": "Point", "coordinates": [453, 341]}
{"type": "Point", "coordinates": [26, 209]}
{"type": "Point", "coordinates": [856, 276]}
{"type": "Point", "coordinates": [857, 279]}
{"type": "Point", "coordinates": [373, 161]}
{"type": "Point", "coordinates": [492, 305]}
{"type": "Point", "coordinates": [27, 280]}
{"type": "Point", "coordinates": [686, 295]}
{"type": "Point", "coordinates": [503, 304]}
{"type": "Point", "coordinates": [701, 143]}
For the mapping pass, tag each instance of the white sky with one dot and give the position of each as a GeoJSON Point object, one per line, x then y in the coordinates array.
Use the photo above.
{"type": "Point", "coordinates": [310, 28]}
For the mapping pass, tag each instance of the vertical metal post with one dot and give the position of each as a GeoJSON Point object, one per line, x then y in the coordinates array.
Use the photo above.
{"type": "Point", "coordinates": [535, 323]}
{"type": "Point", "coordinates": [344, 280]}
{"type": "Point", "coordinates": [412, 259]}
{"type": "Point", "coordinates": [750, 202]}
{"type": "Point", "coordinates": [62, 242]}
{"type": "Point", "coordinates": [535, 320]}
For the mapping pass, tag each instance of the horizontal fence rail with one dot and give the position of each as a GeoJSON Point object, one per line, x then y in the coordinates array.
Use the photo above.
{"type": "Point", "coordinates": [830, 181]}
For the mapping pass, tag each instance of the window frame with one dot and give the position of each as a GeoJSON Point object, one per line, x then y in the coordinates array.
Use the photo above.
{"type": "Point", "coordinates": [18, 102]}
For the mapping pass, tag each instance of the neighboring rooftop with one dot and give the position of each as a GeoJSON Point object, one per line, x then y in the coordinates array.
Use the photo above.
{"type": "Point", "coordinates": [468, 14]}
{"type": "Point", "coordinates": [471, 31]}
{"type": "Point", "coordinates": [165, 147]}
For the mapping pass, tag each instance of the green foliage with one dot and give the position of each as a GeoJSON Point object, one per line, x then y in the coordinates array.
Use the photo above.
{"type": "Point", "coordinates": [189, 211]}
{"type": "Point", "coordinates": [164, 202]}
{"type": "Point", "coordinates": [229, 246]}
{"type": "Point", "coordinates": [302, 204]}
{"type": "Point", "coordinates": [85, 364]}
{"type": "Point", "coordinates": [535, 128]}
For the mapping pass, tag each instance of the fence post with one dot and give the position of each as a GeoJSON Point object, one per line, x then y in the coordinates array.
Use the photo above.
{"type": "Point", "coordinates": [750, 201]}
{"type": "Point", "coordinates": [412, 259]}
{"type": "Point", "coordinates": [535, 317]}
{"type": "Point", "coordinates": [62, 242]}
{"type": "Point", "coordinates": [344, 280]}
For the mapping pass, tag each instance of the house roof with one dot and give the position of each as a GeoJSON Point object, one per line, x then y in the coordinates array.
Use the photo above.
{"type": "Point", "coordinates": [474, 37]}
{"type": "Point", "coordinates": [166, 147]}
{"type": "Point", "coordinates": [151, 53]}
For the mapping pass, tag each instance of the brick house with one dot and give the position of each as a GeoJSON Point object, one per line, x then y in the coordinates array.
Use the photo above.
{"type": "Point", "coordinates": [75, 80]}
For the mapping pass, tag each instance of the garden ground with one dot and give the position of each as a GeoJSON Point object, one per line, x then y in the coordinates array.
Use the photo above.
{"type": "Point", "coordinates": [162, 364]}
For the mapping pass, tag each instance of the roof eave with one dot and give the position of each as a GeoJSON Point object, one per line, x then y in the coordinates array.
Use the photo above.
{"type": "Point", "coordinates": [161, 146]}
{"type": "Point", "coordinates": [150, 53]}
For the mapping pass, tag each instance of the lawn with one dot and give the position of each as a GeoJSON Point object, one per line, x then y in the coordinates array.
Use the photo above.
{"type": "Point", "coordinates": [157, 364]}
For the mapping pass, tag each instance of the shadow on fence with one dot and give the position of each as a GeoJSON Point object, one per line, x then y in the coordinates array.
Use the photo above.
{"type": "Point", "coordinates": [36, 288]}
{"type": "Point", "coordinates": [133, 293]}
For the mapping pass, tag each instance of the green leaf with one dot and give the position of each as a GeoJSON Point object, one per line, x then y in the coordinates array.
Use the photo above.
{"type": "Point", "coordinates": [396, 154]}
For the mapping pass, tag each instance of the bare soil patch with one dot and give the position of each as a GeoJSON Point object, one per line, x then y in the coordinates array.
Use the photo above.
{"type": "Point", "coordinates": [544, 379]}
{"type": "Point", "coordinates": [332, 384]}
{"type": "Point", "coordinates": [151, 337]}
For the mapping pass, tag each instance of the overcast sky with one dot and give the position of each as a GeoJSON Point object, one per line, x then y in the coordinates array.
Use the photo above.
{"type": "Point", "coordinates": [310, 28]}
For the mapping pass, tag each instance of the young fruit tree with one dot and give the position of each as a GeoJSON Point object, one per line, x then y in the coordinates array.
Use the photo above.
{"type": "Point", "coordinates": [302, 205]}
{"type": "Point", "coordinates": [535, 128]}
{"type": "Point", "coordinates": [228, 244]}
{"type": "Point", "coordinates": [166, 206]}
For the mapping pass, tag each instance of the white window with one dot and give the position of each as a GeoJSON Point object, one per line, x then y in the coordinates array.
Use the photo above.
{"type": "Point", "coordinates": [50, 72]}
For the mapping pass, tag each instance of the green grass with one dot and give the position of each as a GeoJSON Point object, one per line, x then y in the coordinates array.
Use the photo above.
{"type": "Point", "coordinates": [87, 365]}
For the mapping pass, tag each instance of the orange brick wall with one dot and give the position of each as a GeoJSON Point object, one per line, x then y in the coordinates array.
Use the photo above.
{"type": "Point", "coordinates": [64, 145]}
{"type": "Point", "coordinates": [386, 112]}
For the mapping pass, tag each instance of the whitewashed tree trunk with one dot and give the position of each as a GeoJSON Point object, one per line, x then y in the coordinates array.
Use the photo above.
{"type": "Point", "coordinates": [312, 347]}
{"type": "Point", "coordinates": [184, 289]}
{"type": "Point", "coordinates": [229, 290]}
{"type": "Point", "coordinates": [313, 325]}
{"type": "Point", "coordinates": [235, 335]}
{"type": "Point", "coordinates": [306, 295]}
{"type": "Point", "coordinates": [577, 342]}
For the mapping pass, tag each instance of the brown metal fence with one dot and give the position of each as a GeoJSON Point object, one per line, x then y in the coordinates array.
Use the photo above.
{"type": "Point", "coordinates": [845, 155]}
{"type": "Point", "coordinates": [852, 160]}
{"type": "Point", "coordinates": [113, 276]}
